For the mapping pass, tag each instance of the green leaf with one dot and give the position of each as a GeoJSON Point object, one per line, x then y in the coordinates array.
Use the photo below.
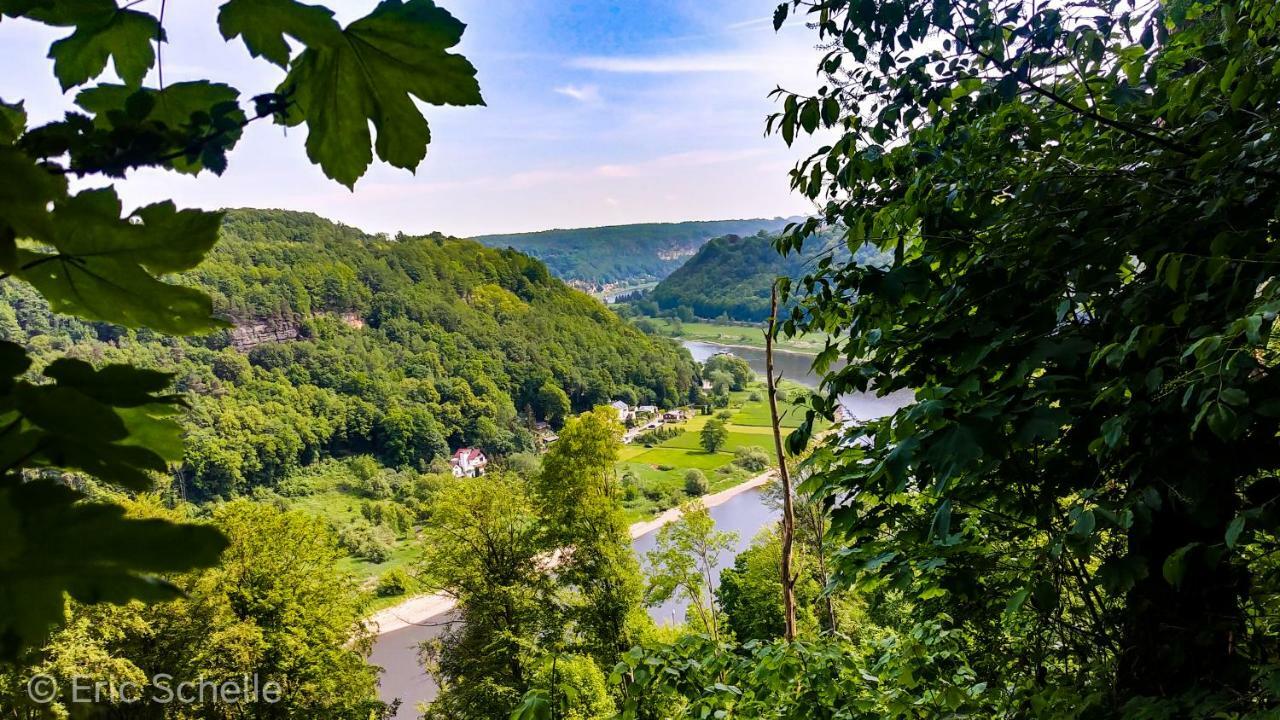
{"type": "Point", "coordinates": [1234, 530]}
{"type": "Point", "coordinates": [13, 121]}
{"type": "Point", "coordinates": [117, 291]}
{"type": "Point", "coordinates": [398, 51]}
{"type": "Point", "coordinates": [263, 25]}
{"type": "Point", "coordinates": [55, 545]}
{"type": "Point", "coordinates": [25, 195]}
{"type": "Point", "coordinates": [202, 118]}
{"type": "Point", "coordinates": [103, 31]}
{"type": "Point", "coordinates": [780, 16]}
{"type": "Point", "coordinates": [166, 240]}
{"type": "Point", "coordinates": [1175, 566]}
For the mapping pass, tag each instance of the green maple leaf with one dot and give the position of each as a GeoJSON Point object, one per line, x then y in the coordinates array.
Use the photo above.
{"type": "Point", "coordinates": [263, 24]}
{"type": "Point", "coordinates": [101, 265]}
{"type": "Point", "coordinates": [13, 121]}
{"type": "Point", "coordinates": [25, 196]}
{"type": "Point", "coordinates": [398, 51]}
{"type": "Point", "coordinates": [103, 31]}
{"type": "Point", "coordinates": [208, 116]}
{"type": "Point", "coordinates": [54, 545]}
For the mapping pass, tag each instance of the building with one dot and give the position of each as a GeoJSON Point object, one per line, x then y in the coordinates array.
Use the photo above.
{"type": "Point", "coordinates": [624, 410]}
{"type": "Point", "coordinates": [468, 462]}
{"type": "Point", "coordinates": [673, 416]}
{"type": "Point", "coordinates": [647, 410]}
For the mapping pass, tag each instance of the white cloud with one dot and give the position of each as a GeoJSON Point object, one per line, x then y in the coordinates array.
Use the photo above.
{"type": "Point", "coordinates": [581, 93]}
{"type": "Point", "coordinates": [675, 64]}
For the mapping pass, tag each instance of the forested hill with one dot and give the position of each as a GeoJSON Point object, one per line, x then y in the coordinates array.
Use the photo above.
{"type": "Point", "coordinates": [732, 276]}
{"type": "Point", "coordinates": [401, 348]}
{"type": "Point", "coordinates": [624, 253]}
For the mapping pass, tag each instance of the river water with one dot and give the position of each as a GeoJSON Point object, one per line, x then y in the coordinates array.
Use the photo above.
{"type": "Point", "coordinates": [745, 515]}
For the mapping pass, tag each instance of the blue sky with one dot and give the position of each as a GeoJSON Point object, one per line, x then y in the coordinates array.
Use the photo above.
{"type": "Point", "coordinates": [599, 112]}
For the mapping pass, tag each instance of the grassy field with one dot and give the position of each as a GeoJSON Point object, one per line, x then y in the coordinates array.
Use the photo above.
{"type": "Point", "coordinates": [656, 474]}
{"type": "Point", "coordinates": [748, 335]}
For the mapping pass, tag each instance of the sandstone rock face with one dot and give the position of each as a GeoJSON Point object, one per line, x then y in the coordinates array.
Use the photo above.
{"type": "Point", "coordinates": [244, 337]}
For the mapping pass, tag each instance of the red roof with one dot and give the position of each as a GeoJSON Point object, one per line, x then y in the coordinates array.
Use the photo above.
{"type": "Point", "coordinates": [468, 454]}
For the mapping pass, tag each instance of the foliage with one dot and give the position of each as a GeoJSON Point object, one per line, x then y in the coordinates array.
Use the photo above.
{"type": "Point", "coordinates": [623, 253]}
{"type": "Point", "coordinates": [554, 403]}
{"type": "Point", "coordinates": [685, 561]}
{"type": "Point", "coordinates": [398, 351]}
{"type": "Point", "coordinates": [731, 276]}
{"type": "Point", "coordinates": [695, 483]}
{"type": "Point", "coordinates": [752, 458]}
{"type": "Point", "coordinates": [393, 583]}
{"type": "Point", "coordinates": [578, 496]}
{"type": "Point", "coordinates": [277, 607]}
{"type": "Point", "coordinates": [713, 435]}
{"type": "Point", "coordinates": [739, 370]}
{"type": "Point", "coordinates": [85, 255]}
{"type": "Point", "coordinates": [577, 692]}
{"type": "Point", "coordinates": [482, 548]}
{"type": "Point", "coordinates": [1080, 202]}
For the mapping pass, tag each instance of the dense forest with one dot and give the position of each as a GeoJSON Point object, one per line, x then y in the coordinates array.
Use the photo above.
{"type": "Point", "coordinates": [346, 343]}
{"type": "Point", "coordinates": [731, 276]}
{"type": "Point", "coordinates": [624, 253]}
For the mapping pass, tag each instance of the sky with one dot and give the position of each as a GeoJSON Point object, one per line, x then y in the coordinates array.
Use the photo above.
{"type": "Point", "coordinates": [599, 112]}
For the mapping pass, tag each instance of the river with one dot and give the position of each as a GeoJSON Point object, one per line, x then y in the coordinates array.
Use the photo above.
{"type": "Point", "coordinates": [745, 515]}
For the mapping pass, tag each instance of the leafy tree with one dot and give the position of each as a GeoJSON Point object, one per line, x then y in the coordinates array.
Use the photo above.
{"type": "Point", "coordinates": [554, 404]}
{"type": "Point", "coordinates": [482, 547]}
{"type": "Point", "coordinates": [579, 500]}
{"type": "Point", "coordinates": [750, 592]}
{"type": "Point", "coordinates": [277, 606]}
{"type": "Point", "coordinates": [1081, 207]}
{"type": "Point", "coordinates": [684, 563]}
{"type": "Point", "coordinates": [737, 368]}
{"type": "Point", "coordinates": [695, 483]}
{"type": "Point", "coordinates": [713, 435]}
{"type": "Point", "coordinates": [751, 458]}
{"type": "Point", "coordinates": [87, 256]}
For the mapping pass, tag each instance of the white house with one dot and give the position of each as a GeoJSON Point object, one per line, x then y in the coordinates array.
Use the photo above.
{"type": "Point", "coordinates": [624, 410]}
{"type": "Point", "coordinates": [647, 410]}
{"type": "Point", "coordinates": [468, 462]}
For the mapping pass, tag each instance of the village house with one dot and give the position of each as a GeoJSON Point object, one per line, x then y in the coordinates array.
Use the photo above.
{"type": "Point", "coordinates": [624, 410]}
{"type": "Point", "coordinates": [674, 416]}
{"type": "Point", "coordinates": [468, 462]}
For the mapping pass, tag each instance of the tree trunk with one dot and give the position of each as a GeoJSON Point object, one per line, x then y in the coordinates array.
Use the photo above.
{"type": "Point", "coordinates": [788, 511]}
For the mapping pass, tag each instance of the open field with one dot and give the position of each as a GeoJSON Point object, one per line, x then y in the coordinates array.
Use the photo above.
{"type": "Point", "coordinates": [745, 335]}
{"type": "Point", "coordinates": [655, 475]}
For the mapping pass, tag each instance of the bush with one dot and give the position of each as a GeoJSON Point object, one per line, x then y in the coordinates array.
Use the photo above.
{"type": "Point", "coordinates": [695, 483]}
{"type": "Point", "coordinates": [366, 542]}
{"type": "Point", "coordinates": [751, 458]}
{"type": "Point", "coordinates": [388, 514]}
{"type": "Point", "coordinates": [755, 396]}
{"type": "Point", "coordinates": [393, 583]}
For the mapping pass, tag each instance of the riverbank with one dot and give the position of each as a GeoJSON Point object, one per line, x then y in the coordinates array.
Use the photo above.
{"type": "Point", "coordinates": [423, 609]}
{"type": "Point", "coordinates": [747, 337]}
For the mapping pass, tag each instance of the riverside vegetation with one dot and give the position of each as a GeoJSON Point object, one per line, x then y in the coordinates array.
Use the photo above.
{"type": "Point", "coordinates": [1075, 517]}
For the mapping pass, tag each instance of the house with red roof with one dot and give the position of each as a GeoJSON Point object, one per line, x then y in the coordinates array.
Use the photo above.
{"type": "Point", "coordinates": [468, 462]}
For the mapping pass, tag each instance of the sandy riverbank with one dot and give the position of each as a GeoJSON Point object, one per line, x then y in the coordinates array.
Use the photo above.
{"type": "Point", "coordinates": [422, 609]}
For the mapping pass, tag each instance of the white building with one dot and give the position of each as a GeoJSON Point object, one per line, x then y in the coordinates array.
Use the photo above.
{"type": "Point", "coordinates": [468, 462]}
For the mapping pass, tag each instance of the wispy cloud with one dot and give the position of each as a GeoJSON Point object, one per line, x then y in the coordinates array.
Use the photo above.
{"type": "Point", "coordinates": [674, 64]}
{"type": "Point", "coordinates": [581, 93]}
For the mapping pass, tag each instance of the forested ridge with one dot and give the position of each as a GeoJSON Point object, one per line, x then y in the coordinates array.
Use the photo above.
{"type": "Point", "coordinates": [731, 276]}
{"type": "Point", "coordinates": [624, 253]}
{"type": "Point", "coordinates": [405, 347]}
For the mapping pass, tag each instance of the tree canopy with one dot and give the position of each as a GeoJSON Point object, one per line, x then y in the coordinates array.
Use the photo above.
{"type": "Point", "coordinates": [86, 255]}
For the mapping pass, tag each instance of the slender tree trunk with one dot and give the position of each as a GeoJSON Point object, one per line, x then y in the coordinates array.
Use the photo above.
{"type": "Point", "coordinates": [819, 534]}
{"type": "Point", "coordinates": [788, 510]}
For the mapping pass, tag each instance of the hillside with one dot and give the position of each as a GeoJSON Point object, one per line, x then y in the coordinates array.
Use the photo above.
{"type": "Point", "coordinates": [624, 253]}
{"type": "Point", "coordinates": [353, 344]}
{"type": "Point", "coordinates": [731, 276]}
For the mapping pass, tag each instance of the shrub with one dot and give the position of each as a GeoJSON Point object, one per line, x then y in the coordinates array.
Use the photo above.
{"type": "Point", "coordinates": [366, 542]}
{"type": "Point", "coordinates": [751, 458]}
{"type": "Point", "coordinates": [393, 583]}
{"type": "Point", "coordinates": [725, 414]}
{"type": "Point", "coordinates": [695, 483]}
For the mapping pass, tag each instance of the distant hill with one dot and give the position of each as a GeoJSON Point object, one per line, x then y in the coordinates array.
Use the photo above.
{"type": "Point", "coordinates": [347, 343]}
{"type": "Point", "coordinates": [624, 253]}
{"type": "Point", "coordinates": [731, 276]}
